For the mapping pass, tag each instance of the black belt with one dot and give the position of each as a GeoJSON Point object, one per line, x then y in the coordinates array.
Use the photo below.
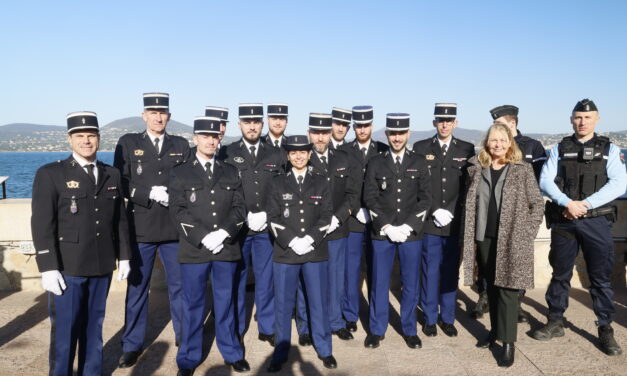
{"type": "Point", "coordinates": [598, 212]}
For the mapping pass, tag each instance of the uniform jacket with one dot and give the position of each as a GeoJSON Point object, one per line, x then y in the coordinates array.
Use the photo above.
{"type": "Point", "coordinates": [352, 148]}
{"type": "Point", "coordinates": [521, 211]}
{"type": "Point", "coordinates": [344, 177]}
{"type": "Point", "coordinates": [292, 214]}
{"type": "Point", "coordinates": [78, 228]}
{"type": "Point", "coordinates": [256, 175]}
{"type": "Point", "coordinates": [281, 150]}
{"type": "Point", "coordinates": [397, 198]}
{"type": "Point", "coordinates": [448, 179]}
{"type": "Point", "coordinates": [533, 152]}
{"type": "Point", "coordinates": [142, 168]}
{"type": "Point", "coordinates": [200, 205]}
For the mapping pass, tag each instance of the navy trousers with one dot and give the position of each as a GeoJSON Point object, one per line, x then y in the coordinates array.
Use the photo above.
{"type": "Point", "coordinates": [76, 316]}
{"type": "Point", "coordinates": [440, 277]}
{"type": "Point", "coordinates": [337, 265]}
{"type": "Point", "coordinates": [383, 253]}
{"type": "Point", "coordinates": [594, 236]}
{"type": "Point", "coordinates": [258, 249]}
{"type": "Point", "coordinates": [223, 281]}
{"type": "Point", "coordinates": [136, 316]}
{"type": "Point", "coordinates": [357, 243]}
{"type": "Point", "coordinates": [313, 275]}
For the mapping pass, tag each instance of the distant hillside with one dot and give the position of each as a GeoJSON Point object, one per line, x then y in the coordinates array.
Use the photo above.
{"type": "Point", "coordinates": [137, 124]}
{"type": "Point", "coordinates": [14, 128]}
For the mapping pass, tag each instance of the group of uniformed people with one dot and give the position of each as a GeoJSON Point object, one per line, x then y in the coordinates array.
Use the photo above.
{"type": "Point", "coordinates": [299, 212]}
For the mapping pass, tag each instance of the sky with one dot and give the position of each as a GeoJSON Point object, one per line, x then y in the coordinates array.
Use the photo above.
{"type": "Point", "coordinates": [398, 56]}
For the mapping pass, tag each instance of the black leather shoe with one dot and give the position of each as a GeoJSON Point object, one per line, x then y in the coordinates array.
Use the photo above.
{"type": "Point", "coordinates": [507, 359]}
{"type": "Point", "coordinates": [239, 366]}
{"type": "Point", "coordinates": [351, 325]}
{"type": "Point", "coordinates": [481, 307]}
{"type": "Point", "coordinates": [448, 329]}
{"type": "Point", "coordinates": [372, 341]}
{"type": "Point", "coordinates": [607, 341]}
{"type": "Point", "coordinates": [304, 339]}
{"type": "Point", "coordinates": [267, 337]}
{"type": "Point", "coordinates": [430, 330]}
{"type": "Point", "coordinates": [185, 372]}
{"type": "Point", "coordinates": [275, 366]}
{"type": "Point", "coordinates": [328, 361]}
{"type": "Point", "coordinates": [553, 328]}
{"type": "Point", "coordinates": [488, 342]}
{"type": "Point", "coordinates": [343, 334]}
{"type": "Point", "coordinates": [129, 359]}
{"type": "Point", "coordinates": [413, 342]}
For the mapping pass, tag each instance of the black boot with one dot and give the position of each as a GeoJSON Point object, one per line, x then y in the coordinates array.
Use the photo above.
{"type": "Point", "coordinates": [607, 341]}
{"type": "Point", "coordinates": [488, 342]}
{"type": "Point", "coordinates": [481, 307]}
{"type": "Point", "coordinates": [507, 359]}
{"type": "Point", "coordinates": [553, 328]}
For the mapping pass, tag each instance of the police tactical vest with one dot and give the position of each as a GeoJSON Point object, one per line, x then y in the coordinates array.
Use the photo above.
{"type": "Point", "coordinates": [582, 167]}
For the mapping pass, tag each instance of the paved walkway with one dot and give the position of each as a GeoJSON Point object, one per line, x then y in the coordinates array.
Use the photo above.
{"type": "Point", "coordinates": [24, 339]}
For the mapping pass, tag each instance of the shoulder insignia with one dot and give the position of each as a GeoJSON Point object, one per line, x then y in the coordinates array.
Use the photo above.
{"type": "Point", "coordinates": [72, 184]}
{"type": "Point", "coordinates": [429, 157]}
{"type": "Point", "coordinates": [238, 159]}
{"type": "Point", "coordinates": [139, 152]}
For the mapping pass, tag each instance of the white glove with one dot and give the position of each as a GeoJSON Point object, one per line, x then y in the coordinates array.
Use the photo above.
{"type": "Point", "coordinates": [394, 234]}
{"type": "Point", "coordinates": [214, 239]}
{"type": "Point", "coordinates": [335, 223]}
{"type": "Point", "coordinates": [405, 229]}
{"type": "Point", "coordinates": [159, 193]}
{"type": "Point", "coordinates": [53, 281]}
{"type": "Point", "coordinates": [124, 268]}
{"type": "Point", "coordinates": [301, 246]}
{"type": "Point", "coordinates": [442, 217]}
{"type": "Point", "coordinates": [257, 221]}
{"type": "Point", "coordinates": [363, 216]}
{"type": "Point", "coordinates": [217, 249]}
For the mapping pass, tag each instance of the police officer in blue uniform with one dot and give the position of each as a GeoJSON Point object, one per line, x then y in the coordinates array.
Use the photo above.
{"type": "Point", "coordinates": [397, 194]}
{"type": "Point", "coordinates": [300, 209]}
{"type": "Point", "coordinates": [145, 160]}
{"type": "Point", "coordinates": [534, 154]}
{"type": "Point", "coordinates": [582, 176]}
{"type": "Point", "coordinates": [340, 124]}
{"type": "Point", "coordinates": [362, 150]}
{"type": "Point", "coordinates": [207, 206]}
{"type": "Point", "coordinates": [257, 163]}
{"type": "Point", "coordinates": [343, 177]}
{"type": "Point", "coordinates": [79, 229]}
{"type": "Point", "coordinates": [447, 159]}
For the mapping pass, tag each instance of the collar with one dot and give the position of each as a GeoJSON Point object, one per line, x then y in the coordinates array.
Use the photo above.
{"type": "Point", "coordinates": [272, 139]}
{"type": "Point", "coordinates": [337, 144]}
{"type": "Point", "coordinates": [325, 154]}
{"type": "Point", "coordinates": [394, 155]}
{"type": "Point", "coordinates": [366, 145]}
{"type": "Point", "coordinates": [152, 138]}
{"type": "Point", "coordinates": [82, 161]}
{"type": "Point", "coordinates": [202, 160]}
{"type": "Point", "coordinates": [447, 143]}
{"type": "Point", "coordinates": [248, 144]}
{"type": "Point", "coordinates": [296, 174]}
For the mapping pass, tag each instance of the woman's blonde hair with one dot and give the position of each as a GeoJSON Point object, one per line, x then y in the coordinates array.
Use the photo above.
{"type": "Point", "coordinates": [512, 155]}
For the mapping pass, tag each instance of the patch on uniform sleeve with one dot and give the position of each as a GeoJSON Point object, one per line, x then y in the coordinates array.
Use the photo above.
{"type": "Point", "coordinates": [138, 152]}
{"type": "Point", "coordinates": [622, 158]}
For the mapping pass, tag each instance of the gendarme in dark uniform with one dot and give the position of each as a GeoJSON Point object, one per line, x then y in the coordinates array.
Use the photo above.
{"type": "Point", "coordinates": [343, 176]}
{"type": "Point", "coordinates": [446, 159]}
{"type": "Point", "coordinates": [362, 149]}
{"type": "Point", "coordinates": [299, 211]}
{"type": "Point", "coordinates": [585, 172]}
{"type": "Point", "coordinates": [221, 113]}
{"type": "Point", "coordinates": [257, 163]}
{"type": "Point", "coordinates": [277, 111]}
{"type": "Point", "coordinates": [207, 206]}
{"type": "Point", "coordinates": [340, 123]}
{"type": "Point", "coordinates": [397, 195]}
{"type": "Point", "coordinates": [145, 161]}
{"type": "Point", "coordinates": [79, 230]}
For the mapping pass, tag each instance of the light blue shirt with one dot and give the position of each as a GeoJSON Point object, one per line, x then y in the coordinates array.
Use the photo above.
{"type": "Point", "coordinates": [615, 186]}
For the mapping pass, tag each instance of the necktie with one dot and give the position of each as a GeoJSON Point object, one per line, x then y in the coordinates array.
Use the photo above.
{"type": "Point", "coordinates": [252, 152]}
{"type": "Point", "coordinates": [444, 149]}
{"type": "Point", "coordinates": [300, 182]}
{"type": "Point", "coordinates": [90, 172]}
{"type": "Point", "coordinates": [157, 145]}
{"type": "Point", "coordinates": [363, 153]}
{"type": "Point", "coordinates": [208, 170]}
{"type": "Point", "coordinates": [276, 143]}
{"type": "Point", "coordinates": [324, 162]}
{"type": "Point", "coordinates": [398, 163]}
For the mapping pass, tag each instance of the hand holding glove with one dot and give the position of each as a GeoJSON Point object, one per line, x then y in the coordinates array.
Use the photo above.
{"type": "Point", "coordinates": [363, 216]}
{"type": "Point", "coordinates": [257, 221]}
{"type": "Point", "coordinates": [53, 281]}
{"type": "Point", "coordinates": [124, 269]}
{"type": "Point", "coordinates": [335, 223]}
{"type": "Point", "coordinates": [405, 229]}
{"type": "Point", "coordinates": [159, 193]}
{"type": "Point", "coordinates": [301, 246]}
{"type": "Point", "coordinates": [217, 249]}
{"type": "Point", "coordinates": [395, 234]}
{"type": "Point", "coordinates": [442, 217]}
{"type": "Point", "coordinates": [214, 239]}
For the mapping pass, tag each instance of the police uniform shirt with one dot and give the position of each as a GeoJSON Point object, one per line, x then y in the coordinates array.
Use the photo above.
{"type": "Point", "coordinates": [447, 174]}
{"type": "Point", "coordinates": [336, 144]}
{"type": "Point", "coordinates": [200, 205]}
{"type": "Point", "coordinates": [397, 195]}
{"type": "Point", "coordinates": [294, 213]}
{"type": "Point", "coordinates": [83, 163]}
{"type": "Point", "coordinates": [615, 186]}
{"type": "Point", "coordinates": [142, 168]}
{"type": "Point", "coordinates": [79, 228]}
{"type": "Point", "coordinates": [153, 138]}
{"type": "Point", "coordinates": [533, 152]}
{"type": "Point", "coordinates": [276, 142]}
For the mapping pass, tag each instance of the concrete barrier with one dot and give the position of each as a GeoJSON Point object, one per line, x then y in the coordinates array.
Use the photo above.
{"type": "Point", "coordinates": [18, 270]}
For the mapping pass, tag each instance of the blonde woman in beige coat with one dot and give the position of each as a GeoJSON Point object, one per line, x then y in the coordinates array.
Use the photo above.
{"type": "Point", "coordinates": [503, 211]}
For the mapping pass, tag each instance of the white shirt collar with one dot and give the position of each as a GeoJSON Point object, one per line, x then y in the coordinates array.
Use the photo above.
{"type": "Point", "coordinates": [336, 144]}
{"type": "Point", "coordinates": [296, 174]}
{"type": "Point", "coordinates": [325, 154]}
{"type": "Point", "coordinates": [394, 155]}
{"type": "Point", "coordinates": [248, 145]}
{"type": "Point", "coordinates": [366, 145]}
{"type": "Point", "coordinates": [272, 139]}
{"type": "Point", "coordinates": [83, 162]}
{"type": "Point", "coordinates": [447, 143]}
{"type": "Point", "coordinates": [202, 160]}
